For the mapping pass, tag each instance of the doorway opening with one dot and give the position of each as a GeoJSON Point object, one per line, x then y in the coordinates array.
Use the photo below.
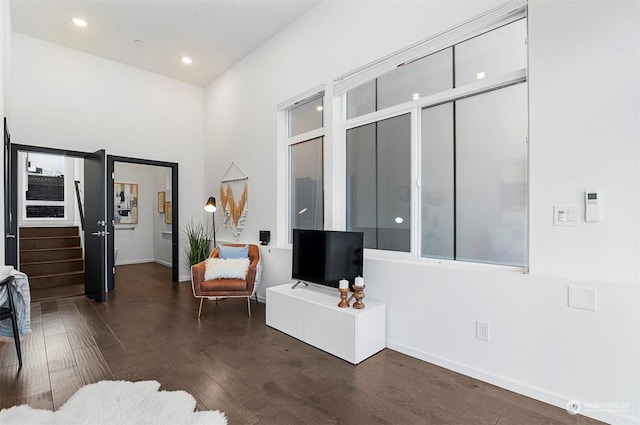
{"type": "Point", "coordinates": [50, 224]}
{"type": "Point", "coordinates": [144, 213]}
{"type": "Point", "coordinates": [92, 262]}
{"type": "Point", "coordinates": [45, 215]}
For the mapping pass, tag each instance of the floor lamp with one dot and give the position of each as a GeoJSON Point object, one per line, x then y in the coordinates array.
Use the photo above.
{"type": "Point", "coordinates": [210, 206]}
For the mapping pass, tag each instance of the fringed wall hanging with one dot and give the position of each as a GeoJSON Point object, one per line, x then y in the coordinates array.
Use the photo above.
{"type": "Point", "coordinates": [234, 183]}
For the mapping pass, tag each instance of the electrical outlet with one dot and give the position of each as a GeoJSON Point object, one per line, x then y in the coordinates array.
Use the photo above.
{"type": "Point", "coordinates": [482, 330]}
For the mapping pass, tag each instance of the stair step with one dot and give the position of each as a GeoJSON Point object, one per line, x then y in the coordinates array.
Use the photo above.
{"type": "Point", "coordinates": [50, 242]}
{"type": "Point", "coordinates": [52, 258]}
{"type": "Point", "coordinates": [33, 232]}
{"type": "Point", "coordinates": [44, 294]}
{"type": "Point", "coordinates": [52, 267]}
{"type": "Point", "coordinates": [56, 280]}
{"type": "Point", "coordinates": [35, 255]}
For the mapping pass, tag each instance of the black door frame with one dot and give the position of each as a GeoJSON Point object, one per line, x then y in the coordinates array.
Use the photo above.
{"type": "Point", "coordinates": [175, 262]}
{"type": "Point", "coordinates": [10, 225]}
{"type": "Point", "coordinates": [11, 198]}
{"type": "Point", "coordinates": [13, 195]}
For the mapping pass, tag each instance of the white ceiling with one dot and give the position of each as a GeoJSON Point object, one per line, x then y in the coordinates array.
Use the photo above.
{"type": "Point", "coordinates": [214, 33]}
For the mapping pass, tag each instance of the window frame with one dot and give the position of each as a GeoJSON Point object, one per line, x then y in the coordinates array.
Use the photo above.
{"type": "Point", "coordinates": [488, 21]}
{"type": "Point", "coordinates": [27, 203]}
{"type": "Point", "coordinates": [497, 18]}
{"type": "Point", "coordinates": [335, 126]}
{"type": "Point", "coordinates": [283, 161]}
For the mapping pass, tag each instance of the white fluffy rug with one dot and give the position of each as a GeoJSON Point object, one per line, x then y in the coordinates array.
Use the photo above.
{"type": "Point", "coordinates": [118, 402]}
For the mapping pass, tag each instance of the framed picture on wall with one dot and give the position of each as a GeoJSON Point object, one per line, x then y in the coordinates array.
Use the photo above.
{"type": "Point", "coordinates": [168, 212]}
{"type": "Point", "coordinates": [161, 202]}
{"type": "Point", "coordinates": [125, 203]}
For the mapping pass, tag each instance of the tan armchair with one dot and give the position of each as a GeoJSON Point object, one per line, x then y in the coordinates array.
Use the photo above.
{"type": "Point", "coordinates": [227, 288]}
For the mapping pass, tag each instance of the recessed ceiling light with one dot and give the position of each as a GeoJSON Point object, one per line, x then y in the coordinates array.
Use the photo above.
{"type": "Point", "coordinates": [186, 60]}
{"type": "Point", "coordinates": [480, 75]}
{"type": "Point", "coordinates": [415, 96]}
{"type": "Point", "coordinates": [399, 220]}
{"type": "Point", "coordinates": [138, 41]}
{"type": "Point", "coordinates": [79, 22]}
{"type": "Point", "coordinates": [319, 108]}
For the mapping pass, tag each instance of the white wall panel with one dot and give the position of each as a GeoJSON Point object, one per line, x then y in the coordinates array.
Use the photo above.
{"type": "Point", "coordinates": [66, 99]}
{"type": "Point", "coordinates": [5, 78]}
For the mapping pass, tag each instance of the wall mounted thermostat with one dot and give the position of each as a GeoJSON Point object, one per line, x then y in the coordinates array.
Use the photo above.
{"type": "Point", "coordinates": [591, 206]}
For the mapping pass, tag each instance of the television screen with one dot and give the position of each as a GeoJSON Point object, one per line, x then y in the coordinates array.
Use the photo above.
{"type": "Point", "coordinates": [325, 257]}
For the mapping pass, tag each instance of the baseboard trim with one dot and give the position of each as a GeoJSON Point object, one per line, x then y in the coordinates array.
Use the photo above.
{"type": "Point", "coordinates": [164, 263]}
{"type": "Point", "coordinates": [526, 390]}
{"type": "Point", "coordinates": [141, 261]}
{"type": "Point", "coordinates": [150, 260]}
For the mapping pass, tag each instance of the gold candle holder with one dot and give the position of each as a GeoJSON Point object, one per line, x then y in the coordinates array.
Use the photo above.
{"type": "Point", "coordinates": [358, 295]}
{"type": "Point", "coordinates": [344, 293]}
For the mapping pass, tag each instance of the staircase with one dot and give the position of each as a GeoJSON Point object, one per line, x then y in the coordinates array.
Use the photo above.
{"type": "Point", "coordinates": [52, 258]}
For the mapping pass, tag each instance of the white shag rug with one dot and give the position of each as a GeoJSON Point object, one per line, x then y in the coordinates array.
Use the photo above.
{"type": "Point", "coordinates": [118, 402]}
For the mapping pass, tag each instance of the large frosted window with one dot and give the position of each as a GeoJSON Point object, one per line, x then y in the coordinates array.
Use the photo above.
{"type": "Point", "coordinates": [491, 164]}
{"type": "Point", "coordinates": [492, 54]}
{"type": "Point", "coordinates": [463, 131]}
{"type": "Point", "coordinates": [306, 196]}
{"type": "Point", "coordinates": [428, 75]}
{"type": "Point", "coordinates": [477, 212]}
{"type": "Point", "coordinates": [437, 182]}
{"type": "Point", "coordinates": [379, 182]}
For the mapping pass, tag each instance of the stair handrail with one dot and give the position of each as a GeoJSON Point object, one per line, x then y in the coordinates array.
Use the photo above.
{"type": "Point", "coordinates": [77, 184]}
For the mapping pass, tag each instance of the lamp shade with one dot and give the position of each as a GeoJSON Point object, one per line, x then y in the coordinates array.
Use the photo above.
{"type": "Point", "coordinates": [210, 206]}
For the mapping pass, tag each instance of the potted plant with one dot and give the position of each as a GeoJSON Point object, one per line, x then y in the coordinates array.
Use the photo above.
{"type": "Point", "coordinates": [199, 238]}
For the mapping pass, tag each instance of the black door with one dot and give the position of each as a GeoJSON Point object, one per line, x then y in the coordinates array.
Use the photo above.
{"type": "Point", "coordinates": [95, 228]}
{"type": "Point", "coordinates": [10, 205]}
{"type": "Point", "coordinates": [111, 261]}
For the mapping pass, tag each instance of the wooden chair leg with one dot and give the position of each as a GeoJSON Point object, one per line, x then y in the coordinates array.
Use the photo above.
{"type": "Point", "coordinates": [200, 309]}
{"type": "Point", "coordinates": [249, 305]}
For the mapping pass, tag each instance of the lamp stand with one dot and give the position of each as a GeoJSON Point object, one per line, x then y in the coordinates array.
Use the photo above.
{"type": "Point", "coordinates": [213, 214]}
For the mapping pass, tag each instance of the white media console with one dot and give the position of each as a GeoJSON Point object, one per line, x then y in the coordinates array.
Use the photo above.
{"type": "Point", "coordinates": [312, 315]}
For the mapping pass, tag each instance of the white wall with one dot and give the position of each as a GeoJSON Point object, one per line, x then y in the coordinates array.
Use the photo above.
{"type": "Point", "coordinates": [134, 242]}
{"type": "Point", "coordinates": [66, 99]}
{"type": "Point", "coordinates": [144, 242]}
{"type": "Point", "coordinates": [583, 134]}
{"type": "Point", "coordinates": [585, 104]}
{"type": "Point", "coordinates": [5, 73]}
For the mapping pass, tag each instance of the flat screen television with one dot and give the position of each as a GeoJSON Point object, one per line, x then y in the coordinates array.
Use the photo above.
{"type": "Point", "coordinates": [325, 257]}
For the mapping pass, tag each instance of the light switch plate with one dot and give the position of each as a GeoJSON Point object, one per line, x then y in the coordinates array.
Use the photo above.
{"type": "Point", "coordinates": [566, 215]}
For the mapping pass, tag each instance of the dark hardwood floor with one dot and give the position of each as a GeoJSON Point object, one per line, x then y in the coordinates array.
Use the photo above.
{"type": "Point", "coordinates": [148, 329]}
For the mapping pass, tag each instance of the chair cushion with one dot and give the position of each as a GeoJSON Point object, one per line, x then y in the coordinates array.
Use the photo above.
{"type": "Point", "coordinates": [226, 268]}
{"type": "Point", "coordinates": [233, 251]}
{"type": "Point", "coordinates": [223, 287]}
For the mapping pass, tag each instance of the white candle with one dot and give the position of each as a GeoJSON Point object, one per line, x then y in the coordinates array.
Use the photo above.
{"type": "Point", "coordinates": [359, 281]}
{"type": "Point", "coordinates": [344, 284]}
